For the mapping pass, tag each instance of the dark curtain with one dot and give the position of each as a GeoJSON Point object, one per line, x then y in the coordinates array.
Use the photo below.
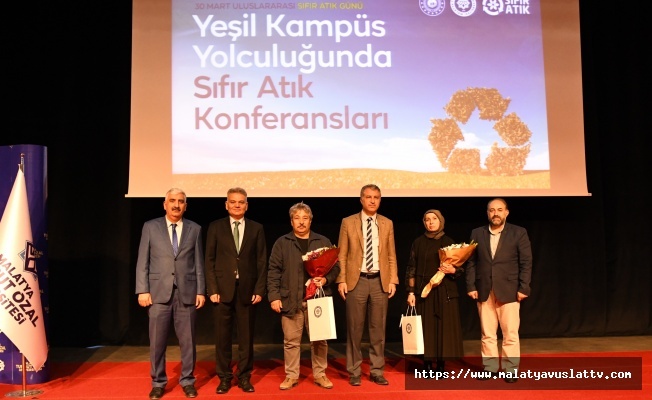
{"type": "Point", "coordinates": [67, 86]}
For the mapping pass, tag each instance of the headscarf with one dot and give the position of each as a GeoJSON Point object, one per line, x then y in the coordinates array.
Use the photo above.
{"type": "Point", "coordinates": [439, 233]}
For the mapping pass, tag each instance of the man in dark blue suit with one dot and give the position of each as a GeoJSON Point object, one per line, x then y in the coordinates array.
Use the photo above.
{"type": "Point", "coordinates": [170, 281]}
{"type": "Point", "coordinates": [236, 276]}
{"type": "Point", "coordinates": [498, 278]}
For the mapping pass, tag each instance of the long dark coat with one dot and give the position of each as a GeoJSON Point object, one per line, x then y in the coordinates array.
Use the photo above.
{"type": "Point", "coordinates": [440, 312]}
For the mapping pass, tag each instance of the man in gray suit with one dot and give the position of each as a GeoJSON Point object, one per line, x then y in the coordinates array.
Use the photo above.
{"type": "Point", "coordinates": [498, 277]}
{"type": "Point", "coordinates": [170, 282]}
{"type": "Point", "coordinates": [236, 272]}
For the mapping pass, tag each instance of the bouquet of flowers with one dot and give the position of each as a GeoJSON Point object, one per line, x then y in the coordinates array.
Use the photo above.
{"type": "Point", "coordinates": [456, 255]}
{"type": "Point", "coordinates": [318, 263]}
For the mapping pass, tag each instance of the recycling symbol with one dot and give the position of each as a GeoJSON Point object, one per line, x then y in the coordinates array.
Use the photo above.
{"type": "Point", "coordinates": [445, 133]}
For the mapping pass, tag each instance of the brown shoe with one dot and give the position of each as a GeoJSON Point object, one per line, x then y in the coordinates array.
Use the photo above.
{"type": "Point", "coordinates": [289, 383]}
{"type": "Point", "coordinates": [324, 382]}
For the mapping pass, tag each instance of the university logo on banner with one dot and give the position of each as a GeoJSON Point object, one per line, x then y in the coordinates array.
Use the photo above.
{"type": "Point", "coordinates": [21, 314]}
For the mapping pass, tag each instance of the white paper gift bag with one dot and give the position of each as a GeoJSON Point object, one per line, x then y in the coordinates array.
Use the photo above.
{"type": "Point", "coordinates": [412, 332]}
{"type": "Point", "coordinates": [321, 317]}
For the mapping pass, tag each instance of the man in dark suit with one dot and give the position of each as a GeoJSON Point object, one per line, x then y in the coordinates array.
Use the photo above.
{"type": "Point", "coordinates": [236, 273]}
{"type": "Point", "coordinates": [170, 281]}
{"type": "Point", "coordinates": [368, 278]}
{"type": "Point", "coordinates": [498, 277]}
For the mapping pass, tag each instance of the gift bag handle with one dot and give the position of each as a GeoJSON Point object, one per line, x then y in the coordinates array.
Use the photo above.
{"type": "Point", "coordinates": [319, 292]}
{"type": "Point", "coordinates": [411, 310]}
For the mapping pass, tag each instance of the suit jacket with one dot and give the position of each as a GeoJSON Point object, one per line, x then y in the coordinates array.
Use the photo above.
{"type": "Point", "coordinates": [222, 261]}
{"type": "Point", "coordinates": [352, 251]}
{"type": "Point", "coordinates": [510, 269]}
{"type": "Point", "coordinates": [157, 266]}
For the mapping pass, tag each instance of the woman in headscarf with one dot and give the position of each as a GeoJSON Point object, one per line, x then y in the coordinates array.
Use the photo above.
{"type": "Point", "coordinates": [440, 313]}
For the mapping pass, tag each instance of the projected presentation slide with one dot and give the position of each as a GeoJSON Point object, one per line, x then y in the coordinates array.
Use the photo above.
{"type": "Point", "coordinates": [422, 97]}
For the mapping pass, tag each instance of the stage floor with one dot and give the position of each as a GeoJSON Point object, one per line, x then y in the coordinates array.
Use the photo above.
{"type": "Point", "coordinates": [338, 349]}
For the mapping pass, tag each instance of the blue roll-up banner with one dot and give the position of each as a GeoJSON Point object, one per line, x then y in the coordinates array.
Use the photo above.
{"type": "Point", "coordinates": [36, 181]}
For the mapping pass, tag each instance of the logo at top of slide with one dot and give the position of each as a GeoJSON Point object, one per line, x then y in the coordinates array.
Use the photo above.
{"type": "Point", "coordinates": [432, 7]}
{"type": "Point", "coordinates": [463, 8]}
{"type": "Point", "coordinates": [493, 7]}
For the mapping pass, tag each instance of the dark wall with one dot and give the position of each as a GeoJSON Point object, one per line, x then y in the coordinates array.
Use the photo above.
{"type": "Point", "coordinates": [67, 86]}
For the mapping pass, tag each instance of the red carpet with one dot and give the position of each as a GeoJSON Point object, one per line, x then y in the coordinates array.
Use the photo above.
{"type": "Point", "coordinates": [130, 380]}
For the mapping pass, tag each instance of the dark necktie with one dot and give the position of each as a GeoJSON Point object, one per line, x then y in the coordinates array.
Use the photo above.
{"type": "Point", "coordinates": [175, 240]}
{"type": "Point", "coordinates": [369, 248]}
{"type": "Point", "coordinates": [236, 236]}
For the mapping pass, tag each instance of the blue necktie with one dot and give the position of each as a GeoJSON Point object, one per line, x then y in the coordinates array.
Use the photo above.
{"type": "Point", "coordinates": [175, 240]}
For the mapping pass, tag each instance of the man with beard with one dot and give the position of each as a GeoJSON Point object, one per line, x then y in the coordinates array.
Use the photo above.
{"type": "Point", "coordinates": [498, 278]}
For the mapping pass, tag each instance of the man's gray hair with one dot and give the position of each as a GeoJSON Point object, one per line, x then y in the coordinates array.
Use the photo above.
{"type": "Point", "coordinates": [301, 206]}
{"type": "Point", "coordinates": [369, 186]}
{"type": "Point", "coordinates": [236, 190]}
{"type": "Point", "coordinates": [175, 191]}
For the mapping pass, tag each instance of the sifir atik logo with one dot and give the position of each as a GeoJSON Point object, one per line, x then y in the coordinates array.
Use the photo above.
{"type": "Point", "coordinates": [507, 7]}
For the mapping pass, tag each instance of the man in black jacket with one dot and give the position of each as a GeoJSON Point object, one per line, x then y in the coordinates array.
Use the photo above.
{"type": "Point", "coordinates": [287, 280]}
{"type": "Point", "coordinates": [498, 278]}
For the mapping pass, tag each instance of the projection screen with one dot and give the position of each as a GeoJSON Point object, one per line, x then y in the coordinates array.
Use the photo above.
{"type": "Point", "coordinates": [316, 99]}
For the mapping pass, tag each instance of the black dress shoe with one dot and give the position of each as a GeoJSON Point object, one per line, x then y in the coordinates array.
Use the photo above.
{"type": "Point", "coordinates": [379, 380]}
{"type": "Point", "coordinates": [246, 385]}
{"type": "Point", "coordinates": [441, 367]}
{"type": "Point", "coordinates": [355, 381]}
{"type": "Point", "coordinates": [223, 387]}
{"type": "Point", "coordinates": [511, 380]}
{"type": "Point", "coordinates": [156, 393]}
{"type": "Point", "coordinates": [190, 391]}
